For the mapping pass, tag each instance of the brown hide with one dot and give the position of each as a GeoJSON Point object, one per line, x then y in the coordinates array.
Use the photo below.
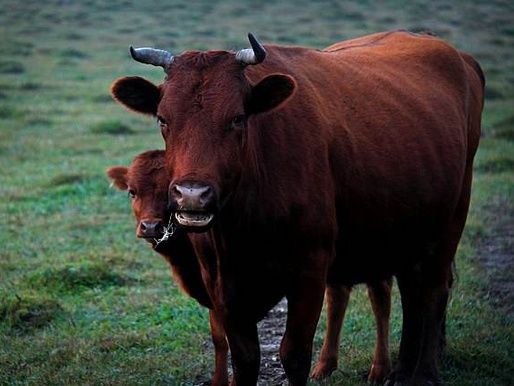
{"type": "Point", "coordinates": [355, 166]}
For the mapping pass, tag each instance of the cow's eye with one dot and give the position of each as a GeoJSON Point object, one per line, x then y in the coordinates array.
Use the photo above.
{"type": "Point", "coordinates": [132, 193]}
{"type": "Point", "coordinates": [161, 121]}
{"type": "Point", "coordinates": [163, 125]}
{"type": "Point", "coordinates": [238, 122]}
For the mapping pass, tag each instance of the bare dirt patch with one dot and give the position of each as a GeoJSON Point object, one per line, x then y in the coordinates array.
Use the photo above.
{"type": "Point", "coordinates": [495, 253]}
{"type": "Point", "coordinates": [271, 330]}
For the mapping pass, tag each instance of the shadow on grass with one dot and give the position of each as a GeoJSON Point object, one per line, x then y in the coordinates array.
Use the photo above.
{"type": "Point", "coordinates": [113, 127]}
{"type": "Point", "coordinates": [67, 179]}
{"type": "Point", "coordinates": [11, 67]}
{"type": "Point", "coordinates": [76, 278]}
{"type": "Point", "coordinates": [102, 98]}
{"type": "Point", "coordinates": [504, 129]}
{"type": "Point", "coordinates": [7, 112]}
{"type": "Point", "coordinates": [491, 93]}
{"type": "Point", "coordinates": [73, 53]}
{"type": "Point", "coordinates": [28, 312]}
{"type": "Point", "coordinates": [466, 364]}
{"type": "Point", "coordinates": [497, 165]}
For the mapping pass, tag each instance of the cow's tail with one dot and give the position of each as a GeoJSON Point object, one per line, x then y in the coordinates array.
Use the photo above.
{"type": "Point", "coordinates": [453, 276]}
{"type": "Point", "coordinates": [476, 79]}
{"type": "Point", "coordinates": [475, 65]}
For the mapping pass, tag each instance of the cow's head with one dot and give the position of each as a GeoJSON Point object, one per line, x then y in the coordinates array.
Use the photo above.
{"type": "Point", "coordinates": [146, 181]}
{"type": "Point", "coordinates": [204, 109]}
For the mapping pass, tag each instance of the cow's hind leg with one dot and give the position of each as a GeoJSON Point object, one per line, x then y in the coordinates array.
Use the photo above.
{"type": "Point", "coordinates": [337, 301]}
{"type": "Point", "coordinates": [437, 281]}
{"type": "Point", "coordinates": [409, 285]}
{"type": "Point", "coordinates": [434, 300]}
{"type": "Point", "coordinates": [380, 296]}
{"type": "Point", "coordinates": [442, 337]}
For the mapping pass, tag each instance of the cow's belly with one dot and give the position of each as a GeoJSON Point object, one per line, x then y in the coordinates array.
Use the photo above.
{"type": "Point", "coordinates": [379, 238]}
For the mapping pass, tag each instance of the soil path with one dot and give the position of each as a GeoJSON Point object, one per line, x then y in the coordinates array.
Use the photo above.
{"type": "Point", "coordinates": [495, 253]}
{"type": "Point", "coordinates": [271, 330]}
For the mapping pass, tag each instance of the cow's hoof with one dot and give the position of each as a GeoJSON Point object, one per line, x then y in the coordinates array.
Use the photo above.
{"type": "Point", "coordinates": [324, 369]}
{"type": "Point", "coordinates": [219, 381]}
{"type": "Point", "coordinates": [413, 382]}
{"type": "Point", "coordinates": [397, 383]}
{"type": "Point", "coordinates": [397, 378]}
{"type": "Point", "coordinates": [426, 381]}
{"type": "Point", "coordinates": [378, 373]}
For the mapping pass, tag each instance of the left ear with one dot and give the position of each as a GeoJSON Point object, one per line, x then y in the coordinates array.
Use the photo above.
{"type": "Point", "coordinates": [118, 175]}
{"type": "Point", "coordinates": [137, 94]}
{"type": "Point", "coordinates": [270, 92]}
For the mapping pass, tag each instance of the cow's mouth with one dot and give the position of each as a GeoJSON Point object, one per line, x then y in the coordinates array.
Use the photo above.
{"type": "Point", "coordinates": [193, 219]}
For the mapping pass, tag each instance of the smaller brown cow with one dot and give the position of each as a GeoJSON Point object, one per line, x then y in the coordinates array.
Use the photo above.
{"type": "Point", "coordinates": [146, 181]}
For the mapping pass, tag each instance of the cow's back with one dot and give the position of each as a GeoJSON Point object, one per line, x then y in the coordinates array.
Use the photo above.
{"type": "Point", "coordinates": [392, 111]}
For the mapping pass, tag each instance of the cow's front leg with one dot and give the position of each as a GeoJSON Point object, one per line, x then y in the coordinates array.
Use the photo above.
{"type": "Point", "coordinates": [219, 340]}
{"type": "Point", "coordinates": [243, 341]}
{"type": "Point", "coordinates": [305, 301]}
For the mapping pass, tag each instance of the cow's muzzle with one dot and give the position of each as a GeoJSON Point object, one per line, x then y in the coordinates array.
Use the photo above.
{"type": "Point", "coordinates": [193, 203]}
{"type": "Point", "coordinates": [150, 229]}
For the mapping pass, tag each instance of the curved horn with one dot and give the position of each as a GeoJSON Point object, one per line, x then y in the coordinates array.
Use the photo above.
{"type": "Point", "coordinates": [254, 55]}
{"type": "Point", "coordinates": [153, 56]}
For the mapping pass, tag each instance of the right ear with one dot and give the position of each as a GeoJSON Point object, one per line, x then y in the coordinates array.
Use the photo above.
{"type": "Point", "coordinates": [137, 94]}
{"type": "Point", "coordinates": [118, 175]}
{"type": "Point", "coordinates": [270, 92]}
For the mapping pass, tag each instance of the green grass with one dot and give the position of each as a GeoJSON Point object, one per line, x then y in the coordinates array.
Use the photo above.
{"type": "Point", "coordinates": [82, 301]}
{"type": "Point", "coordinates": [111, 127]}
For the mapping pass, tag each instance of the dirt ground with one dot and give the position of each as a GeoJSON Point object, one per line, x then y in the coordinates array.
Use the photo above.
{"type": "Point", "coordinates": [271, 330]}
{"type": "Point", "coordinates": [496, 256]}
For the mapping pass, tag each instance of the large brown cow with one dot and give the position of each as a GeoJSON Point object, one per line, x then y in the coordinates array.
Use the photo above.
{"type": "Point", "coordinates": [146, 180]}
{"type": "Point", "coordinates": [300, 167]}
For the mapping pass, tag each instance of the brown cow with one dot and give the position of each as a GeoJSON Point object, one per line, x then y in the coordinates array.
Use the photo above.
{"type": "Point", "coordinates": [146, 181]}
{"type": "Point", "coordinates": [304, 167]}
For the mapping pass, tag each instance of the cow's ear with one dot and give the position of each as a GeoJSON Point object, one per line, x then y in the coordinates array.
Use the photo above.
{"type": "Point", "coordinates": [270, 92]}
{"type": "Point", "coordinates": [137, 94]}
{"type": "Point", "coordinates": [118, 175]}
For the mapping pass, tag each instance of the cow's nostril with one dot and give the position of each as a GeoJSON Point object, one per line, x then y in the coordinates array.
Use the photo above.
{"type": "Point", "coordinates": [206, 195]}
{"type": "Point", "coordinates": [142, 226]}
{"type": "Point", "coordinates": [176, 192]}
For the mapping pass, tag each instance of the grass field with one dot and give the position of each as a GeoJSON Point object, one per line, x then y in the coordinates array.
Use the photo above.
{"type": "Point", "coordinates": [82, 301]}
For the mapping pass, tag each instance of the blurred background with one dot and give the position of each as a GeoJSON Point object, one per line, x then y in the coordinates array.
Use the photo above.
{"type": "Point", "coordinates": [82, 301]}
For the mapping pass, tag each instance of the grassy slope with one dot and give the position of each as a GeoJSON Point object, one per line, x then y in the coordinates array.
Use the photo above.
{"type": "Point", "coordinates": [81, 300]}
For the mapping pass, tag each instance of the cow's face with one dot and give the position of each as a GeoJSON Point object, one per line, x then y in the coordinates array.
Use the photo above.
{"type": "Point", "coordinates": [204, 108]}
{"type": "Point", "coordinates": [146, 182]}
